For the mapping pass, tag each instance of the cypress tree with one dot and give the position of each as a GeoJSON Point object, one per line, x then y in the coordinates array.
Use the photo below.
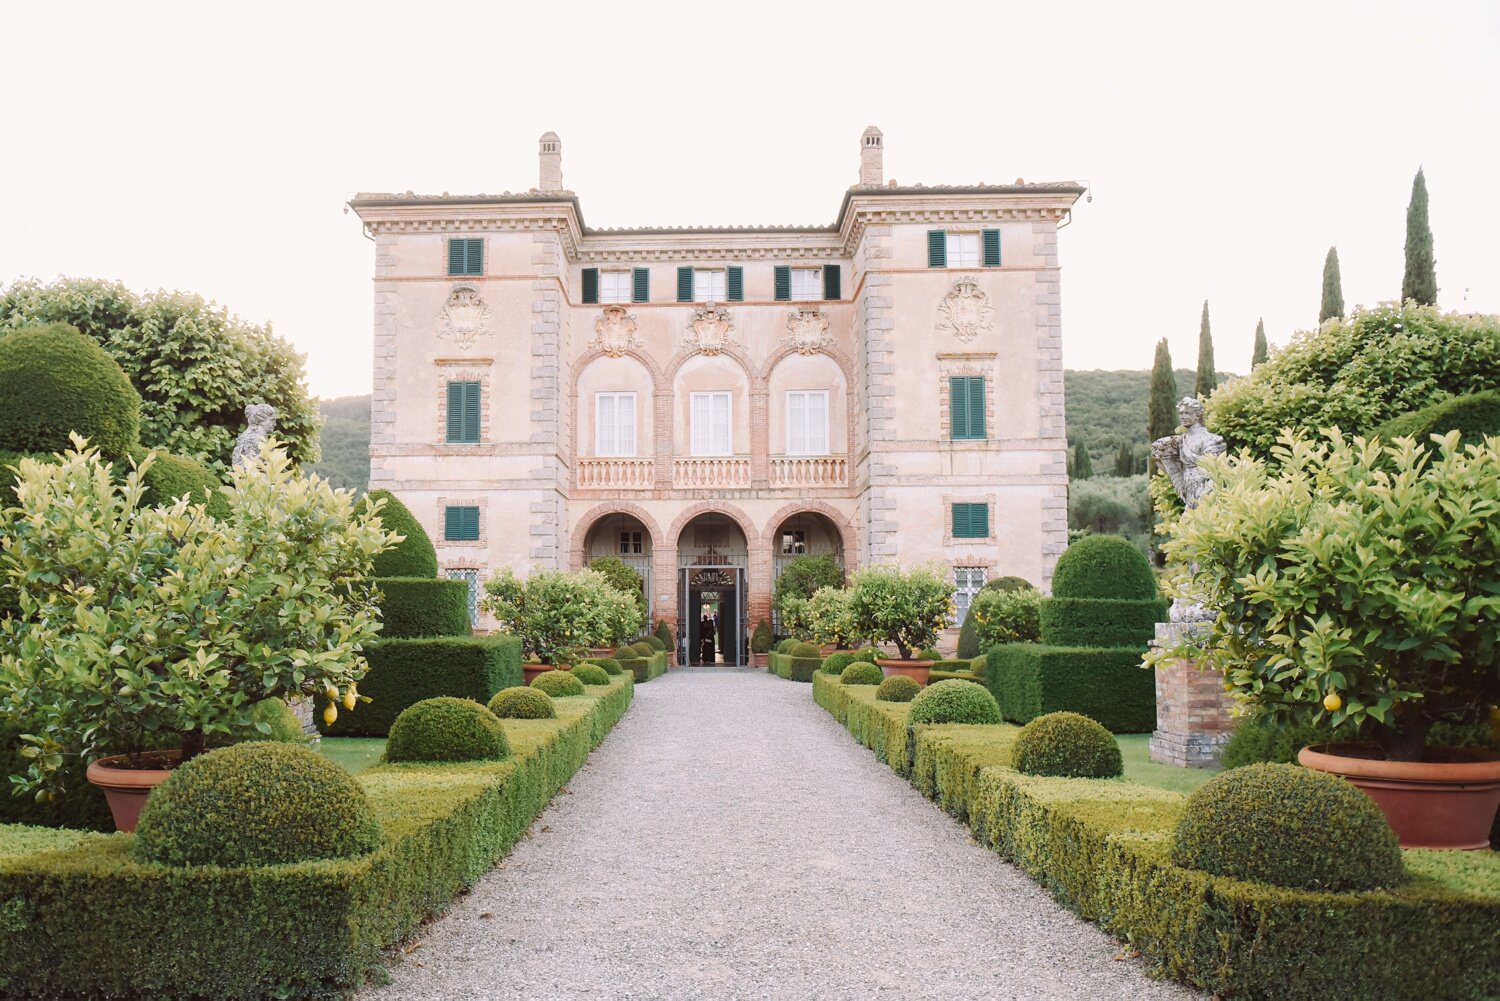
{"type": "Point", "coordinates": [1261, 351]}
{"type": "Point", "coordinates": [1206, 378]}
{"type": "Point", "coordinates": [1083, 467]}
{"type": "Point", "coordinates": [1419, 282]}
{"type": "Point", "coordinates": [1333, 287]}
{"type": "Point", "coordinates": [1125, 460]}
{"type": "Point", "coordinates": [1161, 419]}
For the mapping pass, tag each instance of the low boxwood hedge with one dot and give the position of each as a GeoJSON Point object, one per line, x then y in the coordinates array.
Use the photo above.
{"type": "Point", "coordinates": [1106, 684]}
{"type": "Point", "coordinates": [423, 606]}
{"type": "Point", "coordinates": [1103, 848]}
{"type": "Point", "coordinates": [79, 918]}
{"type": "Point", "coordinates": [784, 665]}
{"type": "Point", "coordinates": [643, 669]}
{"type": "Point", "coordinates": [1101, 622]}
{"type": "Point", "coordinates": [404, 672]}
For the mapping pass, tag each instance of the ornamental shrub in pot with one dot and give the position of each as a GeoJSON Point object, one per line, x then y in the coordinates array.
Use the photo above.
{"type": "Point", "coordinates": [760, 644]}
{"type": "Point", "coordinates": [904, 607]}
{"type": "Point", "coordinates": [560, 616]}
{"type": "Point", "coordinates": [1357, 583]}
{"type": "Point", "coordinates": [830, 619]}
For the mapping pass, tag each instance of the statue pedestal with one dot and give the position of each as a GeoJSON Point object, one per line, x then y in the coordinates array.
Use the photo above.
{"type": "Point", "coordinates": [1193, 721]}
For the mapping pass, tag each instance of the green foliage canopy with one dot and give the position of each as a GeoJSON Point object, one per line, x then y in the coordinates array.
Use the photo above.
{"type": "Point", "coordinates": [1161, 413]}
{"type": "Point", "coordinates": [801, 578]}
{"type": "Point", "coordinates": [55, 382]}
{"type": "Point", "coordinates": [558, 616]}
{"type": "Point", "coordinates": [905, 607]}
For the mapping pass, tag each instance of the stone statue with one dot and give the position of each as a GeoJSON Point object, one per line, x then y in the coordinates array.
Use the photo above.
{"type": "Point", "coordinates": [1179, 455]}
{"type": "Point", "coordinates": [261, 422]}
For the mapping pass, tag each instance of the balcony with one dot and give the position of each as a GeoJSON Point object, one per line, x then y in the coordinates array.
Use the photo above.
{"type": "Point", "coordinates": [809, 471]}
{"type": "Point", "coordinates": [611, 473]}
{"type": "Point", "coordinates": [711, 471]}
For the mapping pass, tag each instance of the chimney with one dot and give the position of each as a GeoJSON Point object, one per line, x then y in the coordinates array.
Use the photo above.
{"type": "Point", "coordinates": [871, 159]}
{"type": "Point", "coordinates": [550, 154]}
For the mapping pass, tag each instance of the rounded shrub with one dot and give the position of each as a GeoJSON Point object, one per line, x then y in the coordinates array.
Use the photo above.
{"type": "Point", "coordinates": [607, 664]}
{"type": "Point", "coordinates": [861, 673]}
{"type": "Point", "coordinates": [869, 654]}
{"type": "Point", "coordinates": [897, 688]}
{"type": "Point", "coordinates": [642, 649]}
{"type": "Point", "coordinates": [655, 643]}
{"type": "Point", "coordinates": [558, 684]}
{"type": "Point", "coordinates": [172, 476]}
{"type": "Point", "coordinates": [1068, 745]}
{"type": "Point", "coordinates": [1009, 584]}
{"type": "Point", "coordinates": [954, 701]}
{"type": "Point", "coordinates": [258, 803]}
{"type": "Point", "coordinates": [1103, 566]}
{"type": "Point", "coordinates": [590, 674]}
{"type": "Point", "coordinates": [447, 729]}
{"type": "Point", "coordinates": [783, 645]}
{"type": "Point", "coordinates": [835, 663]}
{"type": "Point", "coordinates": [1474, 416]}
{"type": "Point", "coordinates": [804, 650]}
{"type": "Point", "coordinates": [54, 381]}
{"type": "Point", "coordinates": [285, 727]}
{"type": "Point", "coordinates": [522, 703]}
{"type": "Point", "coordinates": [929, 653]}
{"type": "Point", "coordinates": [968, 632]}
{"type": "Point", "coordinates": [1288, 826]}
{"type": "Point", "coordinates": [415, 555]}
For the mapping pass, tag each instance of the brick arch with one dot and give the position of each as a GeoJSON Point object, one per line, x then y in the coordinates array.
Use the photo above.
{"type": "Point", "coordinates": [599, 511]}
{"type": "Point", "coordinates": [669, 373]}
{"type": "Point", "coordinates": [730, 511]}
{"type": "Point", "coordinates": [845, 523]}
{"type": "Point", "coordinates": [653, 370]}
{"type": "Point", "coordinates": [842, 360]}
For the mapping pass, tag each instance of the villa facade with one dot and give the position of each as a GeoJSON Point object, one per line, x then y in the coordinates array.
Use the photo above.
{"type": "Point", "coordinates": [708, 403]}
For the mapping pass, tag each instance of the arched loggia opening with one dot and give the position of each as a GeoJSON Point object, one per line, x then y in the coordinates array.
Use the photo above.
{"type": "Point", "coordinates": [712, 559]}
{"type": "Point", "coordinates": [806, 533]}
{"type": "Point", "coordinates": [622, 535]}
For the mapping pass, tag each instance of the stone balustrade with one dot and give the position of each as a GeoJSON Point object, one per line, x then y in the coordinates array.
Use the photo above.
{"type": "Point", "coordinates": [809, 470]}
{"type": "Point", "coordinates": [711, 471]}
{"type": "Point", "coordinates": [611, 473]}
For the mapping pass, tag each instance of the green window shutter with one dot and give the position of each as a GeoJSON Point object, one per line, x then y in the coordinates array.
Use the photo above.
{"type": "Point", "coordinates": [971, 521]}
{"type": "Point", "coordinates": [461, 524]}
{"type": "Point", "coordinates": [471, 412]}
{"type": "Point", "coordinates": [685, 284]}
{"type": "Point", "coordinates": [833, 282]}
{"type": "Point", "coordinates": [590, 284]}
{"type": "Point", "coordinates": [734, 283]}
{"type": "Point", "coordinates": [452, 520]}
{"type": "Point", "coordinates": [463, 413]}
{"type": "Point", "coordinates": [976, 408]}
{"type": "Point", "coordinates": [958, 407]}
{"type": "Point", "coordinates": [979, 520]}
{"type": "Point", "coordinates": [471, 524]}
{"type": "Point", "coordinates": [640, 284]}
{"type": "Point", "coordinates": [455, 411]}
{"type": "Point", "coordinates": [960, 514]}
{"type": "Point", "coordinates": [456, 257]}
{"type": "Point", "coordinates": [783, 282]}
{"type": "Point", "coordinates": [937, 248]}
{"type": "Point", "coordinates": [465, 257]}
{"type": "Point", "coordinates": [476, 257]}
{"type": "Point", "coordinates": [991, 248]}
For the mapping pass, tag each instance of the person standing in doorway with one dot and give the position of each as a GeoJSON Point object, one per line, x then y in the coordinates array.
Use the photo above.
{"type": "Point", "coordinates": [706, 639]}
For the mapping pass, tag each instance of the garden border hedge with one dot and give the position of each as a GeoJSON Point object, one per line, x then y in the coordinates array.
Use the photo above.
{"type": "Point", "coordinates": [1107, 684]}
{"type": "Point", "coordinates": [643, 669]}
{"type": "Point", "coordinates": [423, 606]}
{"type": "Point", "coordinates": [1101, 622]}
{"type": "Point", "coordinates": [784, 665]}
{"type": "Point", "coordinates": [406, 671]}
{"type": "Point", "coordinates": [84, 920]}
{"type": "Point", "coordinates": [1101, 846]}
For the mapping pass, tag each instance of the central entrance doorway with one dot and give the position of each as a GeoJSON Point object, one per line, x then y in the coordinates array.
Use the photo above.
{"type": "Point", "coordinates": [712, 557]}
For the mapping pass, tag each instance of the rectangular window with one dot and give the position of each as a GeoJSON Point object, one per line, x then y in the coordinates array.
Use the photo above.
{"type": "Point", "coordinates": [966, 407]}
{"type": "Point", "coordinates": [466, 257]}
{"type": "Point", "coordinates": [708, 286]}
{"type": "Point", "coordinates": [711, 424]}
{"type": "Point", "coordinates": [630, 544]}
{"type": "Point", "coordinates": [461, 524]}
{"type": "Point", "coordinates": [963, 250]}
{"type": "Point", "coordinates": [614, 423]}
{"type": "Point", "coordinates": [615, 286]}
{"type": "Point", "coordinates": [470, 575]}
{"type": "Point", "coordinates": [971, 521]}
{"type": "Point", "coordinates": [967, 582]}
{"type": "Point", "coordinates": [807, 285]}
{"type": "Point", "coordinates": [807, 422]}
{"type": "Point", "coordinates": [463, 413]}
{"type": "Point", "coordinates": [794, 542]}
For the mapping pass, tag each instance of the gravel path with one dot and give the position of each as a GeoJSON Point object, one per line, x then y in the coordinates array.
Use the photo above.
{"type": "Point", "coordinates": [730, 841]}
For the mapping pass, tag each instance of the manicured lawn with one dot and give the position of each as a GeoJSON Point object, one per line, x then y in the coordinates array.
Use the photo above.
{"type": "Point", "coordinates": [354, 753]}
{"type": "Point", "coordinates": [1140, 768]}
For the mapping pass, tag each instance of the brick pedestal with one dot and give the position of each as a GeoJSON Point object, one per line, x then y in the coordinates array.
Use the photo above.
{"type": "Point", "coordinates": [1192, 709]}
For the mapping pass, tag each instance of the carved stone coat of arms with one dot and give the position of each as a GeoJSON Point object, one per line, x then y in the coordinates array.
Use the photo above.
{"type": "Point", "coordinates": [965, 310]}
{"type": "Point", "coordinates": [614, 331]}
{"type": "Point", "coordinates": [464, 316]}
{"type": "Point", "coordinates": [807, 330]}
{"type": "Point", "coordinates": [709, 328]}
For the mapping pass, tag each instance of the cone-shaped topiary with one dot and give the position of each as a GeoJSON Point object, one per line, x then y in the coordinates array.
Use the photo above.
{"type": "Point", "coordinates": [954, 701]}
{"type": "Point", "coordinates": [666, 635]}
{"type": "Point", "coordinates": [897, 688]}
{"type": "Point", "coordinates": [1288, 826]}
{"type": "Point", "coordinates": [522, 703]}
{"type": "Point", "coordinates": [760, 640]}
{"type": "Point", "coordinates": [256, 804]}
{"type": "Point", "coordinates": [415, 555]}
{"type": "Point", "coordinates": [447, 729]}
{"type": "Point", "coordinates": [608, 664]}
{"type": "Point", "coordinates": [1103, 566]}
{"type": "Point", "coordinates": [835, 663]}
{"type": "Point", "coordinates": [1069, 745]}
{"type": "Point", "coordinates": [558, 684]}
{"type": "Point", "coordinates": [55, 381]}
{"type": "Point", "coordinates": [590, 674]}
{"type": "Point", "coordinates": [861, 673]}
{"type": "Point", "coordinates": [804, 650]}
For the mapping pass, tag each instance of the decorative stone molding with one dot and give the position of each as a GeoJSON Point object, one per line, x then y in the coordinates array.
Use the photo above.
{"type": "Point", "coordinates": [807, 330]}
{"type": "Point", "coordinates": [449, 372]}
{"type": "Point", "coordinates": [465, 316]}
{"type": "Point", "coordinates": [709, 328]}
{"type": "Point", "coordinates": [981, 365]}
{"type": "Point", "coordinates": [965, 311]}
{"type": "Point", "coordinates": [988, 500]}
{"type": "Point", "coordinates": [614, 332]}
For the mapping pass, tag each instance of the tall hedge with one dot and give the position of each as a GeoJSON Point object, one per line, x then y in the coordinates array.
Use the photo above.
{"type": "Point", "coordinates": [423, 606]}
{"type": "Point", "coordinates": [406, 671]}
{"type": "Point", "coordinates": [54, 381]}
{"type": "Point", "coordinates": [1106, 684]}
{"type": "Point", "coordinates": [1103, 566]}
{"type": "Point", "coordinates": [415, 556]}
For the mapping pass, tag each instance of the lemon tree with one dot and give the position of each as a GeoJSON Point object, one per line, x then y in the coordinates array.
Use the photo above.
{"type": "Point", "coordinates": [558, 616]}
{"type": "Point", "coordinates": [907, 607]}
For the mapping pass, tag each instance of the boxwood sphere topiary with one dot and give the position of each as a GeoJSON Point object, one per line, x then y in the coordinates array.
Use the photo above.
{"type": "Point", "coordinates": [835, 663]}
{"type": "Point", "coordinates": [1068, 745]}
{"type": "Point", "coordinates": [415, 555]}
{"type": "Point", "coordinates": [804, 650]}
{"type": "Point", "coordinates": [954, 701]}
{"type": "Point", "coordinates": [447, 729]}
{"type": "Point", "coordinates": [608, 664]}
{"type": "Point", "coordinates": [257, 803]}
{"type": "Point", "coordinates": [1103, 566]}
{"type": "Point", "coordinates": [54, 381]}
{"type": "Point", "coordinates": [861, 673]}
{"type": "Point", "coordinates": [897, 688]}
{"type": "Point", "coordinates": [643, 649]}
{"type": "Point", "coordinates": [1288, 826]}
{"type": "Point", "coordinates": [172, 476]}
{"type": "Point", "coordinates": [284, 724]}
{"type": "Point", "coordinates": [590, 674]}
{"type": "Point", "coordinates": [869, 654]}
{"type": "Point", "coordinates": [558, 684]}
{"type": "Point", "coordinates": [522, 703]}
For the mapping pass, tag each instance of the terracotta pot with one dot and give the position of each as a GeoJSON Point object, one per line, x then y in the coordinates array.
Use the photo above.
{"type": "Point", "coordinates": [602, 651]}
{"type": "Point", "coordinates": [1446, 801]}
{"type": "Point", "coordinates": [916, 670]}
{"type": "Point", "coordinates": [530, 672]}
{"type": "Point", "coordinates": [125, 788]}
{"type": "Point", "coordinates": [760, 660]}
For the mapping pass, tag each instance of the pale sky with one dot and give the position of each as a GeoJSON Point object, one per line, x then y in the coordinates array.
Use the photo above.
{"type": "Point", "coordinates": [211, 147]}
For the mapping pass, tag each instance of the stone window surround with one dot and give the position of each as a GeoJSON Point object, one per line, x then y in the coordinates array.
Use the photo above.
{"type": "Point", "coordinates": [454, 370]}
{"type": "Point", "coordinates": [966, 363]}
{"type": "Point", "coordinates": [484, 254]}
{"type": "Point", "coordinates": [948, 538]}
{"type": "Point", "coordinates": [466, 563]}
{"type": "Point", "coordinates": [443, 504]}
